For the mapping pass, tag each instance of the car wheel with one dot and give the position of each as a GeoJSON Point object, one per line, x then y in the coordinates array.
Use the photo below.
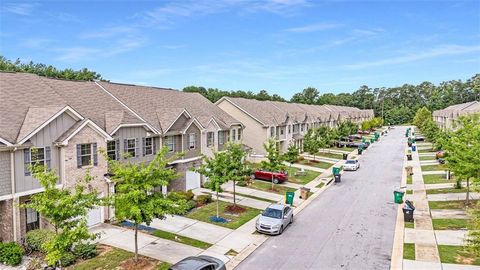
{"type": "Point", "coordinates": [291, 220]}
{"type": "Point", "coordinates": [275, 180]}
{"type": "Point", "coordinates": [281, 230]}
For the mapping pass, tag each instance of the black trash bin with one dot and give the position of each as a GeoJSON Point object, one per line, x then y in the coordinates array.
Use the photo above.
{"type": "Point", "coordinates": [345, 156]}
{"type": "Point", "coordinates": [408, 210]}
{"type": "Point", "coordinates": [360, 151]}
{"type": "Point", "coordinates": [338, 178]}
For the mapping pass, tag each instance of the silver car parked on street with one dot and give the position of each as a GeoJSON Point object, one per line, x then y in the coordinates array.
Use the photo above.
{"type": "Point", "coordinates": [275, 219]}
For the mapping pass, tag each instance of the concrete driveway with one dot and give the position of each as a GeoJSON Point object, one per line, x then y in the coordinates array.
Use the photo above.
{"type": "Point", "coordinates": [351, 226]}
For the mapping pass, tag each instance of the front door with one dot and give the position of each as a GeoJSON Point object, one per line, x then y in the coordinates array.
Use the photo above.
{"type": "Point", "coordinates": [32, 219]}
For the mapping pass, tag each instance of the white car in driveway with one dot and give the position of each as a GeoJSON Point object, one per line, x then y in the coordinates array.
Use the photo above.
{"type": "Point", "coordinates": [351, 165]}
{"type": "Point", "coordinates": [274, 219]}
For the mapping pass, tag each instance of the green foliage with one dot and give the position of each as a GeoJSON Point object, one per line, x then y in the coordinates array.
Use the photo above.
{"type": "Point", "coordinates": [422, 116]}
{"type": "Point", "coordinates": [214, 94]}
{"type": "Point", "coordinates": [181, 195]}
{"type": "Point", "coordinates": [311, 141]}
{"type": "Point", "coordinates": [85, 251]}
{"type": "Point", "coordinates": [346, 128]}
{"type": "Point", "coordinates": [204, 199]}
{"type": "Point", "coordinates": [292, 154]}
{"type": "Point", "coordinates": [308, 96]}
{"type": "Point", "coordinates": [372, 123]}
{"type": "Point", "coordinates": [48, 71]}
{"type": "Point", "coordinates": [135, 197]}
{"type": "Point", "coordinates": [67, 259]}
{"type": "Point", "coordinates": [37, 238]}
{"type": "Point", "coordinates": [275, 159]}
{"type": "Point", "coordinates": [10, 253]}
{"type": "Point", "coordinates": [65, 209]}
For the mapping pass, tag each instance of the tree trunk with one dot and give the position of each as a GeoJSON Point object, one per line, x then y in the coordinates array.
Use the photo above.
{"type": "Point", "coordinates": [468, 191]}
{"type": "Point", "coordinates": [272, 180]}
{"type": "Point", "coordinates": [217, 206]}
{"type": "Point", "coordinates": [136, 241]}
{"type": "Point", "coordinates": [234, 197]}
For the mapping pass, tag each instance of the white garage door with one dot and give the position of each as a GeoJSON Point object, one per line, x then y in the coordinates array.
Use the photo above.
{"type": "Point", "coordinates": [192, 180]}
{"type": "Point", "coordinates": [94, 216]}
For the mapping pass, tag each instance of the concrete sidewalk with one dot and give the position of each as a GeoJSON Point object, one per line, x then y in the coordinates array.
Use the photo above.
{"type": "Point", "coordinates": [305, 167]}
{"type": "Point", "coordinates": [448, 214]}
{"type": "Point", "coordinates": [453, 196]}
{"type": "Point", "coordinates": [148, 245]}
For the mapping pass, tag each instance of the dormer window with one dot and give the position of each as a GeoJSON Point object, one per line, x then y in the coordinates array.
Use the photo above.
{"type": "Point", "coordinates": [192, 140]}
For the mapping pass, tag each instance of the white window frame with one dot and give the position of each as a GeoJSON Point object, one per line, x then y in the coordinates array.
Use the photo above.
{"type": "Point", "coordinates": [134, 147]}
{"type": "Point", "coordinates": [210, 141]}
{"type": "Point", "coordinates": [90, 155]}
{"type": "Point", "coordinates": [239, 134]}
{"type": "Point", "coordinates": [272, 132]}
{"type": "Point", "coordinates": [170, 141]}
{"type": "Point", "coordinates": [148, 147]}
{"type": "Point", "coordinates": [39, 161]}
{"type": "Point", "coordinates": [221, 137]}
{"type": "Point", "coordinates": [234, 134]}
{"type": "Point", "coordinates": [192, 144]}
{"type": "Point", "coordinates": [109, 151]}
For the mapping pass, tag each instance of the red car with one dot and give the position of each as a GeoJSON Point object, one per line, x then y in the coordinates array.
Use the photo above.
{"type": "Point", "coordinates": [278, 177]}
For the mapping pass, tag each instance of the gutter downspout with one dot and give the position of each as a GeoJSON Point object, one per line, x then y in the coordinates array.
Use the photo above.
{"type": "Point", "coordinates": [12, 179]}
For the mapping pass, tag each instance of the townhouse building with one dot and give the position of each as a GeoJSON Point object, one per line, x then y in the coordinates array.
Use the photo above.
{"type": "Point", "coordinates": [286, 122]}
{"type": "Point", "coordinates": [64, 124]}
{"type": "Point", "coordinates": [446, 119]}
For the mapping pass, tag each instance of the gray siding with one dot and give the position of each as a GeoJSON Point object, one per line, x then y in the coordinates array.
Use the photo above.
{"type": "Point", "coordinates": [135, 133]}
{"type": "Point", "coordinates": [44, 137]}
{"type": "Point", "coordinates": [189, 153]}
{"type": "Point", "coordinates": [180, 123]}
{"type": "Point", "coordinates": [178, 145]}
{"type": "Point", "coordinates": [5, 174]}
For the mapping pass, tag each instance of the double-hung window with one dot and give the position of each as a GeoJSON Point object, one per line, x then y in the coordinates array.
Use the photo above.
{"type": "Point", "coordinates": [169, 141]}
{"type": "Point", "coordinates": [148, 146]}
{"type": "Point", "coordinates": [272, 132]}
{"type": "Point", "coordinates": [221, 137]}
{"type": "Point", "coordinates": [37, 156]}
{"type": "Point", "coordinates": [131, 147]}
{"type": "Point", "coordinates": [234, 134]}
{"type": "Point", "coordinates": [192, 141]}
{"type": "Point", "coordinates": [210, 139]}
{"type": "Point", "coordinates": [112, 150]}
{"type": "Point", "coordinates": [239, 134]}
{"type": "Point", "coordinates": [85, 154]}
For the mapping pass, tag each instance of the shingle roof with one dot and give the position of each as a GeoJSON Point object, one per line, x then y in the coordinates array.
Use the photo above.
{"type": "Point", "coordinates": [458, 109]}
{"type": "Point", "coordinates": [161, 106]}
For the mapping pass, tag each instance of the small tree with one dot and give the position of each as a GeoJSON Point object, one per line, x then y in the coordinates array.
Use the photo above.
{"type": "Point", "coordinates": [65, 209]}
{"type": "Point", "coordinates": [216, 169]}
{"type": "Point", "coordinates": [135, 198]}
{"type": "Point", "coordinates": [237, 168]}
{"type": "Point", "coordinates": [311, 143]}
{"type": "Point", "coordinates": [463, 150]}
{"type": "Point", "coordinates": [421, 117]}
{"type": "Point", "coordinates": [274, 158]}
{"type": "Point", "coordinates": [292, 154]}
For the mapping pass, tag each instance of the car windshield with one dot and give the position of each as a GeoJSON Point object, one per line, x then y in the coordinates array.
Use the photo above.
{"type": "Point", "coordinates": [350, 162]}
{"type": "Point", "coordinates": [272, 213]}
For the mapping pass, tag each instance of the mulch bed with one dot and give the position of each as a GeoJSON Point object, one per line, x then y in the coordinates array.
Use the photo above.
{"type": "Point", "coordinates": [234, 209]}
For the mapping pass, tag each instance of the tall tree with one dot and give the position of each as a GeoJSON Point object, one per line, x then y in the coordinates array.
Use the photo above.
{"type": "Point", "coordinates": [135, 196]}
{"type": "Point", "coordinates": [311, 142]}
{"type": "Point", "coordinates": [237, 169]}
{"type": "Point", "coordinates": [65, 209]}
{"type": "Point", "coordinates": [292, 154]}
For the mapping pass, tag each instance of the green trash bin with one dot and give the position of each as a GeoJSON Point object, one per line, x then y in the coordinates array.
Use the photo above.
{"type": "Point", "coordinates": [289, 197]}
{"type": "Point", "coordinates": [372, 140]}
{"type": "Point", "coordinates": [336, 170]}
{"type": "Point", "coordinates": [364, 140]}
{"type": "Point", "coordinates": [398, 196]}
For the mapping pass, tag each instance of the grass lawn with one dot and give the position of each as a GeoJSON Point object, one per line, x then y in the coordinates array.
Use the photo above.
{"type": "Point", "coordinates": [436, 179]}
{"type": "Point", "coordinates": [318, 164]}
{"type": "Point", "coordinates": [266, 186]}
{"type": "Point", "coordinates": [409, 191]}
{"type": "Point", "coordinates": [450, 204]}
{"type": "Point", "coordinates": [110, 258]}
{"type": "Point", "coordinates": [427, 158]}
{"type": "Point", "coordinates": [329, 155]}
{"type": "Point", "coordinates": [181, 239]}
{"type": "Point", "coordinates": [253, 197]}
{"type": "Point", "coordinates": [410, 225]}
{"type": "Point", "coordinates": [439, 167]}
{"type": "Point", "coordinates": [446, 190]}
{"type": "Point", "coordinates": [205, 212]}
{"type": "Point", "coordinates": [408, 251]}
{"type": "Point", "coordinates": [303, 179]}
{"type": "Point", "coordinates": [457, 254]}
{"type": "Point", "coordinates": [320, 185]}
{"type": "Point", "coordinates": [409, 179]}
{"type": "Point", "coordinates": [449, 224]}
{"type": "Point", "coordinates": [430, 150]}
{"type": "Point", "coordinates": [339, 148]}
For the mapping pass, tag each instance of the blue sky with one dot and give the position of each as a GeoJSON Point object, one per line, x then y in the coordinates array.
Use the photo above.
{"type": "Point", "coordinates": [282, 46]}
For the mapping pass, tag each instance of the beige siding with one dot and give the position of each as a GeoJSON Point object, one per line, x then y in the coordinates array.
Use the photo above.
{"type": "Point", "coordinates": [5, 174]}
{"type": "Point", "coordinates": [254, 134]}
{"type": "Point", "coordinates": [136, 133]}
{"type": "Point", "coordinates": [189, 153]}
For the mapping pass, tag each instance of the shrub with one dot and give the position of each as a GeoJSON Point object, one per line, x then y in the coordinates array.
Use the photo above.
{"type": "Point", "coordinates": [191, 204]}
{"type": "Point", "coordinates": [67, 259]}
{"type": "Point", "coordinates": [204, 199]}
{"type": "Point", "coordinates": [242, 183]}
{"type": "Point", "coordinates": [37, 238]}
{"type": "Point", "coordinates": [85, 251]}
{"type": "Point", "coordinates": [11, 253]}
{"type": "Point", "coordinates": [34, 264]}
{"type": "Point", "coordinates": [181, 195]}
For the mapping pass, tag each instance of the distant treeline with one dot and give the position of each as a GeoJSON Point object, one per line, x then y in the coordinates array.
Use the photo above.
{"type": "Point", "coordinates": [396, 104]}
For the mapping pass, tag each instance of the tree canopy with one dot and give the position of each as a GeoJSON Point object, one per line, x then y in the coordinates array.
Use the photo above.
{"type": "Point", "coordinates": [48, 71]}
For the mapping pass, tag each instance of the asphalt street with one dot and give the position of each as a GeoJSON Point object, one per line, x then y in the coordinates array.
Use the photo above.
{"type": "Point", "coordinates": [349, 226]}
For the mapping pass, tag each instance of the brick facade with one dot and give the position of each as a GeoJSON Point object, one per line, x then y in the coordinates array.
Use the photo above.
{"type": "Point", "coordinates": [6, 220]}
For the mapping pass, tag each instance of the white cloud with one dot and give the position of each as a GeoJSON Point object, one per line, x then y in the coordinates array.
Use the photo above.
{"type": "Point", "coordinates": [313, 27]}
{"type": "Point", "coordinates": [444, 50]}
{"type": "Point", "coordinates": [108, 32]}
{"type": "Point", "coordinates": [23, 9]}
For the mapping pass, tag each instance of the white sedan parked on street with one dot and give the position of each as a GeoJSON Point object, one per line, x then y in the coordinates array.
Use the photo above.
{"type": "Point", "coordinates": [275, 219]}
{"type": "Point", "coordinates": [351, 165]}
